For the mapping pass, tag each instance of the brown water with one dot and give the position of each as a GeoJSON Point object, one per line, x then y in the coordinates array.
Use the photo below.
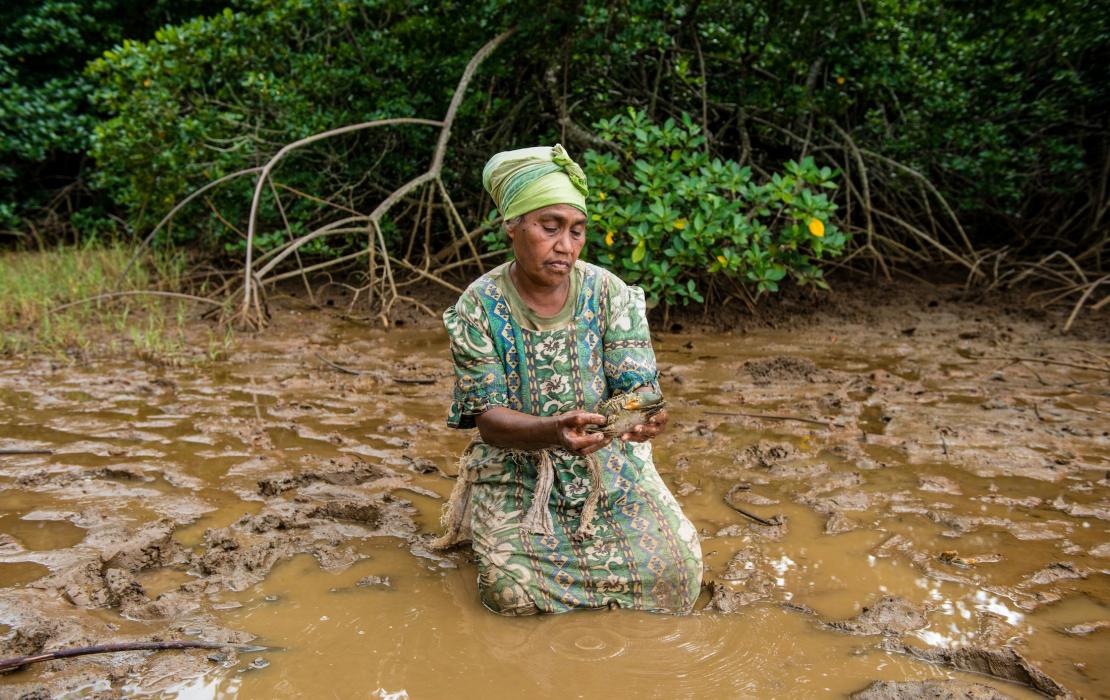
{"type": "Point", "coordinates": [924, 448]}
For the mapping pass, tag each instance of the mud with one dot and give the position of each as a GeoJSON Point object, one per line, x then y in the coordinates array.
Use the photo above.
{"type": "Point", "coordinates": [890, 615]}
{"type": "Point", "coordinates": [940, 511]}
{"type": "Point", "coordinates": [1005, 663]}
{"type": "Point", "coordinates": [928, 690]}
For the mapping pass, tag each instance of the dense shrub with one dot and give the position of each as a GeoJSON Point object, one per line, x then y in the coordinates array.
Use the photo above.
{"type": "Point", "coordinates": [669, 217]}
{"type": "Point", "coordinates": [219, 94]}
{"type": "Point", "coordinates": [45, 120]}
{"type": "Point", "coordinates": [1001, 106]}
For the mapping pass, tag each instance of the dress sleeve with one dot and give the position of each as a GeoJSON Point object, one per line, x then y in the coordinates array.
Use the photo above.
{"type": "Point", "coordinates": [479, 372]}
{"type": "Point", "coordinates": [629, 361]}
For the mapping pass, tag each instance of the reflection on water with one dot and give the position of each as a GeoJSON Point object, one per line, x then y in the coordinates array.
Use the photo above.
{"type": "Point", "coordinates": [18, 573]}
{"type": "Point", "coordinates": [430, 638]}
{"type": "Point", "coordinates": [38, 535]}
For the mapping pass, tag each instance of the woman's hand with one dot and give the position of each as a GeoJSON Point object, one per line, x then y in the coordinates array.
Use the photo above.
{"type": "Point", "coordinates": [646, 431]}
{"type": "Point", "coordinates": [570, 427]}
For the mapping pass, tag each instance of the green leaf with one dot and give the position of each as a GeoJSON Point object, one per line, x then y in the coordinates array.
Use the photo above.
{"type": "Point", "coordinates": [639, 252]}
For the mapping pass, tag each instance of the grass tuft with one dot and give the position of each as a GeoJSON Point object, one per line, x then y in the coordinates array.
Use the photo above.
{"type": "Point", "coordinates": [32, 283]}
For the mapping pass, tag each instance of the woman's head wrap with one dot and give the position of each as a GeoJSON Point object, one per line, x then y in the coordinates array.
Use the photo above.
{"type": "Point", "coordinates": [527, 179]}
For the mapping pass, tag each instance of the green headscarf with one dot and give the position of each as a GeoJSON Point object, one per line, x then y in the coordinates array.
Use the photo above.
{"type": "Point", "coordinates": [527, 179]}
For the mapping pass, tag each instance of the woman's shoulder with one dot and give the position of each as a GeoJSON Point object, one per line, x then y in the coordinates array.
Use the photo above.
{"type": "Point", "coordinates": [470, 305]}
{"type": "Point", "coordinates": [487, 285]}
{"type": "Point", "coordinates": [599, 278]}
{"type": "Point", "coordinates": [608, 288]}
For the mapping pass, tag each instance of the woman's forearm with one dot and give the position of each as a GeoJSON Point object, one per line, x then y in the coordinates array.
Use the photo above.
{"type": "Point", "coordinates": [504, 427]}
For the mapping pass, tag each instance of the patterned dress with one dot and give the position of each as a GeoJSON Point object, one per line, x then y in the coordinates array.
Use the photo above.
{"type": "Point", "coordinates": [644, 553]}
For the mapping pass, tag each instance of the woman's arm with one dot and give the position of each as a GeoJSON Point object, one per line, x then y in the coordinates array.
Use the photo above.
{"type": "Point", "coordinates": [629, 358]}
{"type": "Point", "coordinates": [504, 427]}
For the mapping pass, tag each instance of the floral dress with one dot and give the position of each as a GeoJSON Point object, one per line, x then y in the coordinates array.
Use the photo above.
{"type": "Point", "coordinates": [643, 552]}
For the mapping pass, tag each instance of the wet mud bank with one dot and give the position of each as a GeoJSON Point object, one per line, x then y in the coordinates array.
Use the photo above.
{"type": "Point", "coordinates": [902, 500]}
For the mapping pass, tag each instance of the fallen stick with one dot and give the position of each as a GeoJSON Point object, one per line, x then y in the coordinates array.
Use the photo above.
{"type": "Point", "coordinates": [768, 416]}
{"type": "Point", "coordinates": [1061, 363]}
{"type": "Point", "coordinates": [753, 516]}
{"type": "Point", "coordinates": [142, 292]}
{"type": "Point", "coordinates": [26, 452]}
{"type": "Point", "coordinates": [339, 368]}
{"type": "Point", "coordinates": [358, 372]}
{"type": "Point", "coordinates": [15, 662]}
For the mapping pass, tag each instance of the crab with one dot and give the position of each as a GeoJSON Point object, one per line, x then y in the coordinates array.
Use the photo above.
{"type": "Point", "coordinates": [625, 411]}
{"type": "Point", "coordinates": [953, 558]}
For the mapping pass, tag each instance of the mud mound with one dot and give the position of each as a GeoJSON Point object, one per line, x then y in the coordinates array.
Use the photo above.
{"type": "Point", "coordinates": [891, 615]}
{"type": "Point", "coordinates": [780, 369]}
{"type": "Point", "coordinates": [1004, 663]}
{"type": "Point", "coordinates": [243, 554]}
{"type": "Point", "coordinates": [928, 690]}
{"type": "Point", "coordinates": [745, 580]}
{"type": "Point", "coordinates": [344, 471]}
{"type": "Point", "coordinates": [728, 600]}
{"type": "Point", "coordinates": [317, 510]}
{"type": "Point", "coordinates": [765, 454]}
{"type": "Point", "coordinates": [85, 577]}
{"type": "Point", "coordinates": [47, 623]}
{"type": "Point", "coordinates": [838, 523]}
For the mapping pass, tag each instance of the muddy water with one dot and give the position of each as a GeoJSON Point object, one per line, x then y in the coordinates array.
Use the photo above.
{"type": "Point", "coordinates": [274, 501]}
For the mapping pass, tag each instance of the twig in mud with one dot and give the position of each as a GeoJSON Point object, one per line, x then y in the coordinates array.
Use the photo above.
{"type": "Point", "coordinates": [1083, 299]}
{"type": "Point", "coordinates": [26, 452]}
{"type": "Point", "coordinates": [357, 372]}
{"type": "Point", "coordinates": [16, 662]}
{"type": "Point", "coordinates": [1092, 411]}
{"type": "Point", "coordinates": [148, 292]}
{"type": "Point", "coordinates": [1098, 357]}
{"type": "Point", "coordinates": [1037, 413]}
{"type": "Point", "coordinates": [1061, 363]}
{"type": "Point", "coordinates": [753, 516]}
{"type": "Point", "coordinates": [767, 416]}
{"type": "Point", "coordinates": [339, 368]}
{"type": "Point", "coordinates": [1034, 373]}
{"type": "Point", "coordinates": [254, 399]}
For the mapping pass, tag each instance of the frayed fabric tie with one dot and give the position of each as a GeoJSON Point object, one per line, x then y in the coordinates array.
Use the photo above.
{"type": "Point", "coordinates": [456, 516]}
{"type": "Point", "coordinates": [538, 519]}
{"type": "Point", "coordinates": [589, 510]}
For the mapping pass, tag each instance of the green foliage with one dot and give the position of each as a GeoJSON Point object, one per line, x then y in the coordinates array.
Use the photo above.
{"type": "Point", "coordinates": [667, 216]}
{"type": "Point", "coordinates": [45, 121]}
{"type": "Point", "coordinates": [218, 94]}
{"type": "Point", "coordinates": [993, 101]}
{"type": "Point", "coordinates": [1002, 106]}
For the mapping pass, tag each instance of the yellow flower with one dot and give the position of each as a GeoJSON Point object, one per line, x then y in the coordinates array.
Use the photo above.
{"type": "Point", "coordinates": [680, 224]}
{"type": "Point", "coordinates": [609, 237]}
{"type": "Point", "coordinates": [146, 83]}
{"type": "Point", "coordinates": [817, 227]}
{"type": "Point", "coordinates": [722, 259]}
{"type": "Point", "coordinates": [602, 196]}
{"type": "Point", "coordinates": [840, 80]}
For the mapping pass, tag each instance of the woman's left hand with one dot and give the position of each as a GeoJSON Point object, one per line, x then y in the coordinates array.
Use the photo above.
{"type": "Point", "coordinates": [646, 431]}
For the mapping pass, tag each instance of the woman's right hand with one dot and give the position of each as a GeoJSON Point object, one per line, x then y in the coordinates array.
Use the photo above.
{"type": "Point", "coordinates": [570, 428]}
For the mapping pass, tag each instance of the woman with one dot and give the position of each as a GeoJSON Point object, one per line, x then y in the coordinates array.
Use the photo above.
{"type": "Point", "coordinates": [538, 343]}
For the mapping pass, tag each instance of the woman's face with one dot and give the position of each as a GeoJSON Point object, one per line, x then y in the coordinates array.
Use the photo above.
{"type": "Point", "coordinates": [547, 242]}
